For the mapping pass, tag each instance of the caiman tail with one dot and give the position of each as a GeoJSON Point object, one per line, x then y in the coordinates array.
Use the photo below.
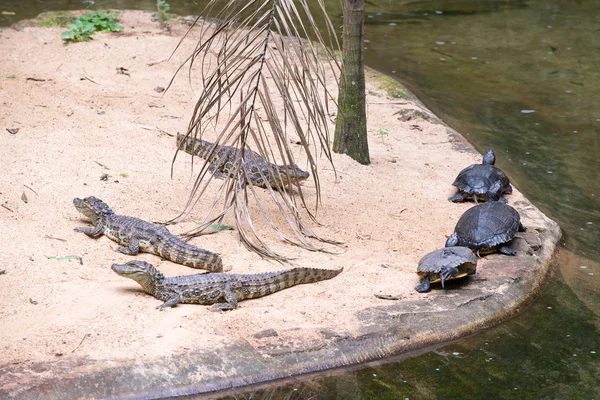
{"type": "Point", "coordinates": [259, 285]}
{"type": "Point", "coordinates": [191, 256]}
{"type": "Point", "coordinates": [193, 146]}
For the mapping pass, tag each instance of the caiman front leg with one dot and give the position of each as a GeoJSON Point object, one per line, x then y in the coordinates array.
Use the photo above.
{"type": "Point", "coordinates": [173, 301]}
{"type": "Point", "coordinates": [216, 169]}
{"type": "Point", "coordinates": [230, 298]}
{"type": "Point", "coordinates": [132, 248]}
{"type": "Point", "coordinates": [93, 231]}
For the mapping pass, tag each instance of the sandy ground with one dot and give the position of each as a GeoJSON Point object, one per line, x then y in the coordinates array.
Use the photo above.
{"type": "Point", "coordinates": [72, 130]}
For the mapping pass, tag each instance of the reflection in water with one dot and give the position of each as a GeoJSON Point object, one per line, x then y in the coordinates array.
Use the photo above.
{"type": "Point", "coordinates": [521, 77]}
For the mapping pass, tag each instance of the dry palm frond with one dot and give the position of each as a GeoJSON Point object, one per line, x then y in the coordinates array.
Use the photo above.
{"type": "Point", "coordinates": [255, 62]}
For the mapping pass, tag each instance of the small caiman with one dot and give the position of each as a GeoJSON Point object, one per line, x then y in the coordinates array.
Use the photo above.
{"type": "Point", "coordinates": [137, 235]}
{"type": "Point", "coordinates": [222, 290]}
{"type": "Point", "coordinates": [225, 161]}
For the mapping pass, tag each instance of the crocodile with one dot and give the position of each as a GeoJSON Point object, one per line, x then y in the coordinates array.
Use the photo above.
{"type": "Point", "coordinates": [137, 235]}
{"type": "Point", "coordinates": [224, 291]}
{"type": "Point", "coordinates": [225, 161]}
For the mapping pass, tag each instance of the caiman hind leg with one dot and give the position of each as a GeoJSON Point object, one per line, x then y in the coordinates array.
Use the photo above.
{"type": "Point", "coordinates": [132, 248]}
{"type": "Point", "coordinates": [230, 298]}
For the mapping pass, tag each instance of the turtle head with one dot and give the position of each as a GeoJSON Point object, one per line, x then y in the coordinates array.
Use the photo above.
{"type": "Point", "coordinates": [452, 240]}
{"type": "Point", "coordinates": [92, 208]}
{"type": "Point", "coordinates": [140, 271]}
{"type": "Point", "coordinates": [489, 158]}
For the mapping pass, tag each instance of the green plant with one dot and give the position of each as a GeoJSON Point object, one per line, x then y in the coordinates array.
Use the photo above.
{"type": "Point", "coordinates": [12, 77]}
{"type": "Point", "coordinates": [84, 27]}
{"type": "Point", "coordinates": [382, 133]}
{"type": "Point", "coordinates": [162, 12]}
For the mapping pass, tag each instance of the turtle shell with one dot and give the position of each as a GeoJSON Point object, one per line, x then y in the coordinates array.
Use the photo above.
{"type": "Point", "coordinates": [478, 178]}
{"type": "Point", "coordinates": [449, 257]}
{"type": "Point", "coordinates": [487, 225]}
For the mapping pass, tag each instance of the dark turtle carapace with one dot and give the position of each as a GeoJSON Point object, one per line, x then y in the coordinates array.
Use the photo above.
{"type": "Point", "coordinates": [480, 181]}
{"type": "Point", "coordinates": [486, 228]}
{"type": "Point", "coordinates": [445, 264]}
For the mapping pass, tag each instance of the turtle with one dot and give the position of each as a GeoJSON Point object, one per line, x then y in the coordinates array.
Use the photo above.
{"type": "Point", "coordinates": [486, 228]}
{"type": "Point", "coordinates": [445, 264]}
{"type": "Point", "coordinates": [476, 181]}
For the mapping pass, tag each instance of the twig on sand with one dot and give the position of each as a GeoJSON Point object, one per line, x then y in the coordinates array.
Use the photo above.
{"type": "Point", "coordinates": [6, 207]}
{"type": "Point", "coordinates": [151, 63]}
{"type": "Point", "coordinates": [55, 238]}
{"type": "Point", "coordinates": [100, 164]}
{"type": "Point", "coordinates": [76, 347]}
{"type": "Point", "coordinates": [165, 132]}
{"type": "Point", "coordinates": [89, 79]}
{"type": "Point", "coordinates": [30, 189]}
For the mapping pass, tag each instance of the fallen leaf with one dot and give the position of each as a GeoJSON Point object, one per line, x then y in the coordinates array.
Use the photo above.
{"type": "Point", "coordinates": [387, 297]}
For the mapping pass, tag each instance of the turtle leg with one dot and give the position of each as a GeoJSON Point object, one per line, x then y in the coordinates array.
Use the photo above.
{"type": "Point", "coordinates": [507, 250]}
{"type": "Point", "coordinates": [458, 197]}
{"type": "Point", "coordinates": [522, 228]}
{"type": "Point", "coordinates": [495, 192]}
{"type": "Point", "coordinates": [494, 196]}
{"type": "Point", "coordinates": [447, 273]}
{"type": "Point", "coordinates": [424, 286]}
{"type": "Point", "coordinates": [508, 189]}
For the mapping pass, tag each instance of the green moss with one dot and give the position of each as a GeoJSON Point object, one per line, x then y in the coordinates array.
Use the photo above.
{"type": "Point", "coordinates": [54, 18]}
{"type": "Point", "coordinates": [392, 87]}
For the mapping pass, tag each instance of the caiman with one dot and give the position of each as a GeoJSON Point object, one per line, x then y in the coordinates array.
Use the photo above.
{"type": "Point", "coordinates": [137, 235]}
{"type": "Point", "coordinates": [224, 291]}
{"type": "Point", "coordinates": [225, 161]}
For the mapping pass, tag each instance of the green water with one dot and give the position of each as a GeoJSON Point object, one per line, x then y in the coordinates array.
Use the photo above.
{"type": "Point", "coordinates": [478, 65]}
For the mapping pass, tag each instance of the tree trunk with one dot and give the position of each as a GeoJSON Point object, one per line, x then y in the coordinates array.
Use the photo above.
{"type": "Point", "coordinates": [351, 126]}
